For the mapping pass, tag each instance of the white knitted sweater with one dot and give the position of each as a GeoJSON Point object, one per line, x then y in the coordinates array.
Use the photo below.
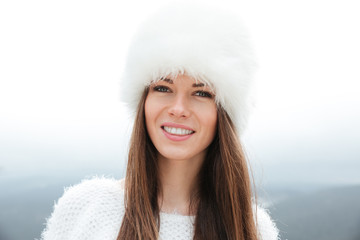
{"type": "Point", "coordinates": [93, 210]}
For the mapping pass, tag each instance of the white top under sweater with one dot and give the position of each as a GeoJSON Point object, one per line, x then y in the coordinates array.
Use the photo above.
{"type": "Point", "coordinates": [93, 210]}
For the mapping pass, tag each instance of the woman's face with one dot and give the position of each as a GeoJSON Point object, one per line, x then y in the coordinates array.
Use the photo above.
{"type": "Point", "coordinates": [181, 117]}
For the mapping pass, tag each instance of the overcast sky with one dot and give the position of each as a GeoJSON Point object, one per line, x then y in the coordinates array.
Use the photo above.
{"type": "Point", "coordinates": [61, 61]}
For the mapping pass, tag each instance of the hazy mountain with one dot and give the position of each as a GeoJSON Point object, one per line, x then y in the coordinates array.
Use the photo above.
{"type": "Point", "coordinates": [25, 204]}
{"type": "Point", "coordinates": [332, 214]}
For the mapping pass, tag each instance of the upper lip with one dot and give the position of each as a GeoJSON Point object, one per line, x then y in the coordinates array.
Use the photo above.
{"type": "Point", "coordinates": [176, 125]}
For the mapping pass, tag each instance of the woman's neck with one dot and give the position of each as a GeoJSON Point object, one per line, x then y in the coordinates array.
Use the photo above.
{"type": "Point", "coordinates": [179, 180]}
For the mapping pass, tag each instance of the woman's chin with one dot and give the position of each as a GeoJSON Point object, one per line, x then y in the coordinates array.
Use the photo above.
{"type": "Point", "coordinates": [181, 154]}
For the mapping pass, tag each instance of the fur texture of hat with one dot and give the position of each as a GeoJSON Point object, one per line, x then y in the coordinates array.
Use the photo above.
{"type": "Point", "coordinates": [204, 42]}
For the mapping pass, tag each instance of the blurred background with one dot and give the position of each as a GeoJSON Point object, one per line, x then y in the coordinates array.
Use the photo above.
{"type": "Point", "coordinates": [61, 119]}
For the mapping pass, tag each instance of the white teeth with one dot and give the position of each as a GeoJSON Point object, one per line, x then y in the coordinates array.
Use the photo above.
{"type": "Point", "coordinates": [177, 131]}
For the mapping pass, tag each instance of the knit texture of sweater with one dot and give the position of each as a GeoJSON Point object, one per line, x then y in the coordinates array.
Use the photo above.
{"type": "Point", "coordinates": [94, 209]}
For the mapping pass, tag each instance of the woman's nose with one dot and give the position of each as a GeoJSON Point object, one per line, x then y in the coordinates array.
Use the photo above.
{"type": "Point", "coordinates": [179, 107]}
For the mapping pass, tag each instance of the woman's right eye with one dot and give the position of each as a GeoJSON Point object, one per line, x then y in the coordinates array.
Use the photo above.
{"type": "Point", "coordinates": [161, 89]}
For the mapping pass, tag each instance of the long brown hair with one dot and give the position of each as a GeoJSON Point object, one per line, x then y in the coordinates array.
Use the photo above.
{"type": "Point", "coordinates": [223, 200]}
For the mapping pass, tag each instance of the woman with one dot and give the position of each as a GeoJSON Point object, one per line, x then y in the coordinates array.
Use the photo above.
{"type": "Point", "coordinates": [187, 77]}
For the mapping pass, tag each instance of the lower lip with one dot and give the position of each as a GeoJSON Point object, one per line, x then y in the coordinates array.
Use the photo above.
{"type": "Point", "coordinates": [176, 137]}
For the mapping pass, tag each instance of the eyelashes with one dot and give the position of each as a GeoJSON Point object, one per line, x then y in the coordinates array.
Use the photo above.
{"type": "Point", "coordinates": [203, 94]}
{"type": "Point", "coordinates": [199, 93]}
{"type": "Point", "coordinates": [161, 89]}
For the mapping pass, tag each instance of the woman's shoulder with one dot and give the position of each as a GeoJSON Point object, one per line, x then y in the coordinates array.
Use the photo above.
{"type": "Point", "coordinates": [82, 203]}
{"type": "Point", "coordinates": [95, 184]}
{"type": "Point", "coordinates": [90, 190]}
{"type": "Point", "coordinates": [265, 225]}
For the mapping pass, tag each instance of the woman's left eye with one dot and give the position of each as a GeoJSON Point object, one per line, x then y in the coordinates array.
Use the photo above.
{"type": "Point", "coordinates": [203, 94]}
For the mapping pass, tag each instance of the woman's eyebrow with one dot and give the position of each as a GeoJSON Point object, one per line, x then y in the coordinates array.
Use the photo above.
{"type": "Point", "coordinates": [168, 80]}
{"type": "Point", "coordinates": [198, 85]}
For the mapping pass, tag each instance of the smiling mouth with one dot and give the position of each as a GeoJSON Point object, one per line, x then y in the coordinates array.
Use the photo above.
{"type": "Point", "coordinates": [177, 131]}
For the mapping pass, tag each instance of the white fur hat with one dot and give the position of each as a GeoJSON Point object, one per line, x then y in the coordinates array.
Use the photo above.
{"type": "Point", "coordinates": [203, 42]}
